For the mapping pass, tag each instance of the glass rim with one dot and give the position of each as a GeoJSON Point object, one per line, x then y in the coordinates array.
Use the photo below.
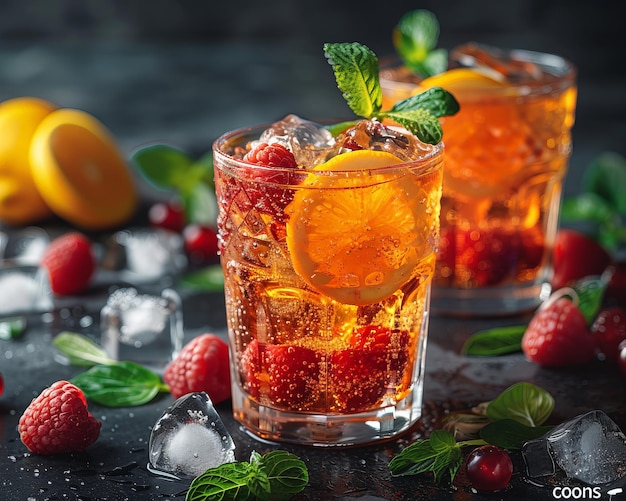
{"type": "Point", "coordinates": [220, 157]}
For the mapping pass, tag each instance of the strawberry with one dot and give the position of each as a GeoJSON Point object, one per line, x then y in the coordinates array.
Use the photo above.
{"type": "Point", "coordinates": [557, 335]}
{"type": "Point", "coordinates": [57, 421]}
{"type": "Point", "coordinates": [609, 329]}
{"type": "Point", "coordinates": [485, 257]}
{"type": "Point", "coordinates": [288, 374]}
{"type": "Point", "coordinates": [201, 243]}
{"type": "Point", "coordinates": [361, 374]}
{"type": "Point", "coordinates": [576, 256]}
{"type": "Point", "coordinates": [70, 262]}
{"type": "Point", "coordinates": [202, 365]}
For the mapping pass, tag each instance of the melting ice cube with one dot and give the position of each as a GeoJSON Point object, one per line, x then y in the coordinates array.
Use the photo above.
{"type": "Point", "coordinates": [590, 448]}
{"type": "Point", "coordinates": [190, 438]}
{"type": "Point", "coordinates": [310, 142]}
{"type": "Point", "coordinates": [24, 289]}
{"type": "Point", "coordinates": [24, 247]}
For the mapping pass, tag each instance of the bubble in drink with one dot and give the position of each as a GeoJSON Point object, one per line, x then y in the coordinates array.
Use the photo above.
{"type": "Point", "coordinates": [310, 142]}
{"type": "Point", "coordinates": [590, 448]}
{"type": "Point", "coordinates": [190, 438]}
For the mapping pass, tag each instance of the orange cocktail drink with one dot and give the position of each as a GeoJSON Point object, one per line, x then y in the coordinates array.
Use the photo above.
{"type": "Point", "coordinates": [507, 153]}
{"type": "Point", "coordinates": [328, 267]}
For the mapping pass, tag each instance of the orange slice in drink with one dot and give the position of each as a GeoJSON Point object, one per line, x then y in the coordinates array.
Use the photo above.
{"type": "Point", "coordinates": [463, 79]}
{"type": "Point", "coordinates": [80, 172]}
{"type": "Point", "coordinates": [356, 237]}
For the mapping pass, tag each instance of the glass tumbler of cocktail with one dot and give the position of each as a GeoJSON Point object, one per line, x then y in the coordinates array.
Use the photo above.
{"type": "Point", "coordinates": [507, 153]}
{"type": "Point", "coordinates": [327, 270]}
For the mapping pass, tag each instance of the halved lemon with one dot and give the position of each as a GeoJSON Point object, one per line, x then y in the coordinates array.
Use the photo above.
{"type": "Point", "coordinates": [357, 237]}
{"type": "Point", "coordinates": [80, 172]}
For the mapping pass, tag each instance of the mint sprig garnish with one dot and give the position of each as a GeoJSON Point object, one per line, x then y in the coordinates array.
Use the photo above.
{"type": "Point", "coordinates": [508, 421]}
{"type": "Point", "coordinates": [108, 382]}
{"type": "Point", "coordinates": [357, 74]}
{"type": "Point", "coordinates": [277, 475]}
{"type": "Point", "coordinates": [415, 38]}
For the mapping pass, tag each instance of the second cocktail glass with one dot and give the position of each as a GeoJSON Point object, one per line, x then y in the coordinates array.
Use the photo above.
{"type": "Point", "coordinates": [507, 152]}
{"type": "Point", "coordinates": [327, 279]}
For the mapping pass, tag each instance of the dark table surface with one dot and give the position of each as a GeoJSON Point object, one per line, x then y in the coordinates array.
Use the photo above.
{"type": "Point", "coordinates": [186, 96]}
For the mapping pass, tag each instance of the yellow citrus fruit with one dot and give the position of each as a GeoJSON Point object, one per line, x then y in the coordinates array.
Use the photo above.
{"type": "Point", "coordinates": [462, 79]}
{"type": "Point", "coordinates": [80, 172]}
{"type": "Point", "coordinates": [20, 201]}
{"type": "Point", "coordinates": [356, 238]}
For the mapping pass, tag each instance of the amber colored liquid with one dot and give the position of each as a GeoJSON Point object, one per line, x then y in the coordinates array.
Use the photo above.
{"type": "Point", "coordinates": [506, 157]}
{"type": "Point", "coordinates": [297, 349]}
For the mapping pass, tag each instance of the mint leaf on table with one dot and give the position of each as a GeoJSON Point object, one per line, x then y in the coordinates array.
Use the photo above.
{"type": "Point", "coordinates": [523, 402]}
{"type": "Point", "coordinates": [357, 74]}
{"type": "Point", "coordinates": [80, 350]}
{"type": "Point", "coordinates": [208, 279]}
{"type": "Point", "coordinates": [495, 341]}
{"type": "Point", "coordinates": [277, 475]}
{"type": "Point", "coordinates": [511, 434]}
{"type": "Point", "coordinates": [12, 327]}
{"type": "Point", "coordinates": [122, 384]}
{"type": "Point", "coordinates": [415, 38]}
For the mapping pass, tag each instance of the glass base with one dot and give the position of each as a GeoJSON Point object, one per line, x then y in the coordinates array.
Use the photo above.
{"type": "Point", "coordinates": [489, 301]}
{"type": "Point", "coordinates": [271, 424]}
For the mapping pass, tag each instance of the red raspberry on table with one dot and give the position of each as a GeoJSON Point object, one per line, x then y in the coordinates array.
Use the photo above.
{"type": "Point", "coordinates": [361, 374]}
{"type": "Point", "coordinates": [609, 329]}
{"type": "Point", "coordinates": [202, 365]}
{"type": "Point", "coordinates": [57, 421]}
{"type": "Point", "coordinates": [558, 336]}
{"type": "Point", "coordinates": [70, 262]}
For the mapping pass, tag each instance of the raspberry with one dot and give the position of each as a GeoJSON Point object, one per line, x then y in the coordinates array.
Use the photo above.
{"type": "Point", "coordinates": [202, 365]}
{"type": "Point", "coordinates": [271, 155]}
{"type": "Point", "coordinates": [70, 262]}
{"type": "Point", "coordinates": [57, 421]}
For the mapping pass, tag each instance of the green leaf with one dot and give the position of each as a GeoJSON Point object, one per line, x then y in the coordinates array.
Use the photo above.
{"type": "Point", "coordinates": [225, 482]}
{"type": "Point", "coordinates": [210, 279]}
{"type": "Point", "coordinates": [80, 350]}
{"type": "Point", "coordinates": [12, 327]}
{"type": "Point", "coordinates": [286, 474]}
{"type": "Point", "coordinates": [414, 37]}
{"type": "Point", "coordinates": [606, 176]}
{"type": "Point", "coordinates": [421, 122]}
{"type": "Point", "coordinates": [356, 71]}
{"type": "Point", "coordinates": [163, 166]}
{"type": "Point", "coordinates": [587, 206]}
{"type": "Point", "coordinates": [494, 342]}
{"type": "Point", "coordinates": [590, 292]}
{"type": "Point", "coordinates": [511, 434]}
{"type": "Point", "coordinates": [414, 459]}
{"type": "Point", "coordinates": [201, 204]}
{"type": "Point", "coordinates": [122, 384]}
{"type": "Point", "coordinates": [438, 101]}
{"type": "Point", "coordinates": [523, 402]}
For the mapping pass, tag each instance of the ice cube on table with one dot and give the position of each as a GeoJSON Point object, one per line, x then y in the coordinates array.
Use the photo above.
{"type": "Point", "coordinates": [142, 328]}
{"type": "Point", "coordinates": [311, 143]}
{"type": "Point", "coordinates": [23, 247]}
{"type": "Point", "coordinates": [590, 448]}
{"type": "Point", "coordinates": [190, 437]}
{"type": "Point", "coordinates": [24, 289]}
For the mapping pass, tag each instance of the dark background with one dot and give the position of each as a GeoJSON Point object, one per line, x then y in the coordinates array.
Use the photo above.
{"type": "Point", "coordinates": [182, 72]}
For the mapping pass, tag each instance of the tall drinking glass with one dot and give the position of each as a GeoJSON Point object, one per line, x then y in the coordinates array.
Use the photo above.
{"type": "Point", "coordinates": [507, 153]}
{"type": "Point", "coordinates": [328, 269]}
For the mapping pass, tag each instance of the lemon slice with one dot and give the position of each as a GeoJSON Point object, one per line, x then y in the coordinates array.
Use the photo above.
{"type": "Point", "coordinates": [355, 238]}
{"type": "Point", "coordinates": [460, 79]}
{"type": "Point", "coordinates": [80, 172]}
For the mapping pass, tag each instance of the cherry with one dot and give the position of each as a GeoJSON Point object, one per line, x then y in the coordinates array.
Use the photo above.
{"type": "Point", "coordinates": [167, 215]}
{"type": "Point", "coordinates": [200, 243]}
{"type": "Point", "coordinates": [489, 468]}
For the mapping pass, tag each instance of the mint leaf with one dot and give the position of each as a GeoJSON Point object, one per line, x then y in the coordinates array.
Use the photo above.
{"type": "Point", "coordinates": [80, 350]}
{"type": "Point", "coordinates": [415, 38]}
{"type": "Point", "coordinates": [12, 327]}
{"type": "Point", "coordinates": [494, 342]}
{"type": "Point", "coordinates": [590, 292]}
{"type": "Point", "coordinates": [121, 384]}
{"type": "Point", "coordinates": [523, 402]}
{"type": "Point", "coordinates": [277, 475]}
{"type": "Point", "coordinates": [606, 176]}
{"type": "Point", "coordinates": [356, 71]}
{"type": "Point", "coordinates": [225, 482]}
{"type": "Point", "coordinates": [210, 279]}
{"type": "Point", "coordinates": [511, 434]}
{"type": "Point", "coordinates": [163, 166]}
{"type": "Point", "coordinates": [436, 100]}
{"type": "Point", "coordinates": [420, 122]}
